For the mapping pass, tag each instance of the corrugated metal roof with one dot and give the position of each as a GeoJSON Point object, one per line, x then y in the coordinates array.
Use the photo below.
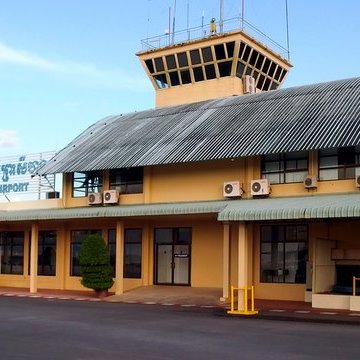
{"type": "Point", "coordinates": [292, 208]}
{"type": "Point", "coordinates": [183, 208]}
{"type": "Point", "coordinates": [284, 208]}
{"type": "Point", "coordinates": [294, 119]}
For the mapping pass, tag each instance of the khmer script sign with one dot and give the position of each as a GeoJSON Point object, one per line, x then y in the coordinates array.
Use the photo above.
{"type": "Point", "coordinates": [18, 175]}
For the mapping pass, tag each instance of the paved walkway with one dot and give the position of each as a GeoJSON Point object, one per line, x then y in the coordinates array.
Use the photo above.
{"type": "Point", "coordinates": [189, 297]}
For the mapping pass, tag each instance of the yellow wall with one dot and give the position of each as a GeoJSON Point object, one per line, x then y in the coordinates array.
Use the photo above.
{"type": "Point", "coordinates": [193, 181]}
{"type": "Point", "coordinates": [200, 91]}
{"type": "Point", "coordinates": [206, 256]}
{"type": "Point", "coordinates": [200, 181]}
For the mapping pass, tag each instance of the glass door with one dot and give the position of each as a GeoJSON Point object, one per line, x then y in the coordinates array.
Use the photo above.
{"type": "Point", "coordinates": [164, 256]}
{"type": "Point", "coordinates": [181, 264]}
{"type": "Point", "coordinates": [172, 256]}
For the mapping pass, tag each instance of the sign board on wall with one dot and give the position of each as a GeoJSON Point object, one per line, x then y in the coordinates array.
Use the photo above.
{"type": "Point", "coordinates": [18, 179]}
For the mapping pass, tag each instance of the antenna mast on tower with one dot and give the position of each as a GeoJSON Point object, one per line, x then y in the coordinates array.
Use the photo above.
{"type": "Point", "coordinates": [173, 29]}
{"type": "Point", "coordinates": [287, 31]}
{"type": "Point", "coordinates": [221, 22]}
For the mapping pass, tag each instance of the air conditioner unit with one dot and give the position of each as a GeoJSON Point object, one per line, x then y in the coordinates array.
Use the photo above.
{"type": "Point", "coordinates": [249, 85]}
{"type": "Point", "coordinates": [232, 189]}
{"type": "Point", "coordinates": [111, 197]}
{"type": "Point", "coordinates": [260, 187]}
{"type": "Point", "coordinates": [94, 198]}
{"type": "Point", "coordinates": [310, 182]}
{"type": "Point", "coordinates": [357, 181]}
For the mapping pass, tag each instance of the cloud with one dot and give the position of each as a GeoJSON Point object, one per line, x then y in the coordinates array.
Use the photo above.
{"type": "Point", "coordinates": [10, 55]}
{"type": "Point", "coordinates": [8, 138]}
{"type": "Point", "coordinates": [110, 77]}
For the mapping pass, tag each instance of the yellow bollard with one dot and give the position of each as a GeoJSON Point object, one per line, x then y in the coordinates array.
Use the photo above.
{"type": "Point", "coordinates": [245, 310]}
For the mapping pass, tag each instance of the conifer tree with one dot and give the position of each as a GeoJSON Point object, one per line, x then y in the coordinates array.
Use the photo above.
{"type": "Point", "coordinates": [95, 265]}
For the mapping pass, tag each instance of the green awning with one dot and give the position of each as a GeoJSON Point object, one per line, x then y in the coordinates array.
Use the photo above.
{"type": "Point", "coordinates": [281, 208]}
{"type": "Point", "coordinates": [163, 209]}
{"type": "Point", "coordinates": [291, 208]}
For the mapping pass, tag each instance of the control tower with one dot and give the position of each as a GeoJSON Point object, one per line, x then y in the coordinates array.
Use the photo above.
{"type": "Point", "coordinates": [210, 66]}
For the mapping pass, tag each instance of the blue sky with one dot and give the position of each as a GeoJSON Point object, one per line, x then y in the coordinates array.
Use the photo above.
{"type": "Point", "coordinates": [65, 64]}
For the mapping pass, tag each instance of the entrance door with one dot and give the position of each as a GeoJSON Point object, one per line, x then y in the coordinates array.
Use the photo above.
{"type": "Point", "coordinates": [172, 256]}
{"type": "Point", "coordinates": [164, 256]}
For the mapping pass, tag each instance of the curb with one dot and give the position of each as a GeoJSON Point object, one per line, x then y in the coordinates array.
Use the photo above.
{"type": "Point", "coordinates": [328, 317]}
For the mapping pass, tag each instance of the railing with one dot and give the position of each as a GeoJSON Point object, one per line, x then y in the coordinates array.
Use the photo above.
{"type": "Point", "coordinates": [202, 31]}
{"type": "Point", "coordinates": [245, 310]}
{"type": "Point", "coordinates": [354, 285]}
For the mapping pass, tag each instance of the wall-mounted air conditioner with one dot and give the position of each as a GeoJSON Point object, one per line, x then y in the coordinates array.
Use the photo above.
{"type": "Point", "coordinates": [249, 85]}
{"type": "Point", "coordinates": [95, 198]}
{"type": "Point", "coordinates": [357, 181]}
{"type": "Point", "coordinates": [111, 197]}
{"type": "Point", "coordinates": [260, 187]}
{"type": "Point", "coordinates": [232, 189]}
{"type": "Point", "coordinates": [310, 182]}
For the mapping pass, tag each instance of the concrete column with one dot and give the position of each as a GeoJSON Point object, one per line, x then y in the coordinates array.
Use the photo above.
{"type": "Point", "coordinates": [226, 261]}
{"type": "Point", "coordinates": [34, 257]}
{"type": "Point", "coordinates": [145, 255]}
{"type": "Point", "coordinates": [61, 257]}
{"type": "Point", "coordinates": [151, 263]}
{"type": "Point", "coordinates": [119, 269]}
{"type": "Point", "coordinates": [242, 263]}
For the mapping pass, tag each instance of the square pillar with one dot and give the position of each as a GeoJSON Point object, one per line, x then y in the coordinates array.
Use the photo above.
{"type": "Point", "coordinates": [242, 263]}
{"type": "Point", "coordinates": [34, 257]}
{"type": "Point", "coordinates": [145, 263]}
{"type": "Point", "coordinates": [119, 268]}
{"type": "Point", "coordinates": [226, 261]}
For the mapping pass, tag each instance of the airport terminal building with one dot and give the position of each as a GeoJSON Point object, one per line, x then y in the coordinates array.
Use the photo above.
{"type": "Point", "coordinates": [230, 180]}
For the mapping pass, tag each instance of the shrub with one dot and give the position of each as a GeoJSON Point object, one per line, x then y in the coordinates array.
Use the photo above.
{"type": "Point", "coordinates": [96, 271]}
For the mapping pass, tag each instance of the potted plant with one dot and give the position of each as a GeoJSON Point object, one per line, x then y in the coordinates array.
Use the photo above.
{"type": "Point", "coordinates": [95, 265]}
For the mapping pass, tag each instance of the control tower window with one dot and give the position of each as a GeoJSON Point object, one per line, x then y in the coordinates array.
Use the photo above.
{"type": "Point", "coordinates": [210, 71]}
{"type": "Point", "coordinates": [266, 66]}
{"type": "Point", "coordinates": [230, 48]}
{"type": "Point", "coordinates": [182, 59]}
{"type": "Point", "coordinates": [246, 53]}
{"type": "Point", "coordinates": [174, 78]}
{"type": "Point", "coordinates": [259, 61]}
{"type": "Point", "coordinates": [150, 66]}
{"type": "Point", "coordinates": [272, 69]}
{"type": "Point", "coordinates": [260, 82]}
{"type": "Point", "coordinates": [282, 75]}
{"type": "Point", "coordinates": [207, 55]}
{"type": "Point", "coordinates": [170, 62]}
{"type": "Point", "coordinates": [240, 69]}
{"type": "Point", "coordinates": [225, 68]}
{"type": "Point", "coordinates": [198, 73]}
{"type": "Point", "coordinates": [220, 52]}
{"type": "Point", "coordinates": [195, 57]}
{"type": "Point", "coordinates": [241, 49]}
{"type": "Point", "coordinates": [253, 57]}
{"type": "Point", "coordinates": [278, 73]}
{"type": "Point", "coordinates": [161, 81]}
{"type": "Point", "coordinates": [159, 64]}
{"type": "Point", "coordinates": [185, 76]}
{"type": "Point", "coordinates": [267, 84]}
